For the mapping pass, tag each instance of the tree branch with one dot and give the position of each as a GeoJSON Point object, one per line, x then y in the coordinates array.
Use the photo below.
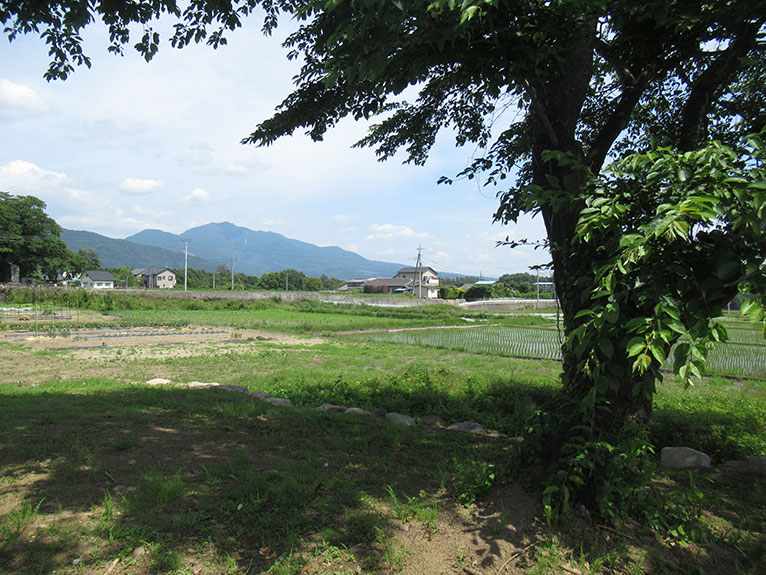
{"type": "Point", "coordinates": [716, 76]}
{"type": "Point", "coordinates": [619, 119]}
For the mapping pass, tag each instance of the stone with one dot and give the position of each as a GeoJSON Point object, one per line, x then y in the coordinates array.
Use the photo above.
{"type": "Point", "coordinates": [683, 458]}
{"type": "Point", "coordinates": [280, 402]}
{"type": "Point", "coordinates": [758, 464]}
{"type": "Point", "coordinates": [159, 381]}
{"type": "Point", "coordinates": [755, 465]}
{"type": "Point", "coordinates": [234, 388]}
{"type": "Point", "coordinates": [201, 385]}
{"type": "Point", "coordinates": [432, 421]}
{"type": "Point", "coordinates": [262, 395]}
{"type": "Point", "coordinates": [139, 551]}
{"type": "Point", "coordinates": [332, 408]}
{"type": "Point", "coordinates": [467, 427]}
{"type": "Point", "coordinates": [357, 411]}
{"type": "Point", "coordinates": [400, 419]}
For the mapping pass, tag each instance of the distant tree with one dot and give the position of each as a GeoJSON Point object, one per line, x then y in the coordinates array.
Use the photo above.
{"type": "Point", "coordinates": [451, 292]}
{"type": "Point", "coordinates": [30, 239]}
{"type": "Point", "coordinates": [478, 292]}
{"type": "Point", "coordinates": [92, 260]}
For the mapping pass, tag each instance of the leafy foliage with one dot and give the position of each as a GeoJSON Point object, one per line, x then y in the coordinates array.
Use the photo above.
{"type": "Point", "coordinates": [29, 238]}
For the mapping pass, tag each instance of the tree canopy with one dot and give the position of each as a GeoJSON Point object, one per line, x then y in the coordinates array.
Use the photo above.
{"type": "Point", "coordinates": [29, 238]}
{"type": "Point", "coordinates": [622, 124]}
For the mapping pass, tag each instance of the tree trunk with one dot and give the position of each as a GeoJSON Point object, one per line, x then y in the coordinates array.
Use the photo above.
{"type": "Point", "coordinates": [556, 108]}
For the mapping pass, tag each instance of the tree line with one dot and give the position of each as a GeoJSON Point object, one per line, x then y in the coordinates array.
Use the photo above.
{"type": "Point", "coordinates": [221, 279]}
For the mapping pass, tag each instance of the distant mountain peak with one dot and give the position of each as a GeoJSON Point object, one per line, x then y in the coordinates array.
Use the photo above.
{"type": "Point", "coordinates": [255, 252]}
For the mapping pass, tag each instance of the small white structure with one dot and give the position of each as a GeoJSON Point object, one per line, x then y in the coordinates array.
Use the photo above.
{"type": "Point", "coordinates": [97, 279]}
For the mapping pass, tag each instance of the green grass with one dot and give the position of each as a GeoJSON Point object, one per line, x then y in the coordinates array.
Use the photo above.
{"type": "Point", "coordinates": [97, 472]}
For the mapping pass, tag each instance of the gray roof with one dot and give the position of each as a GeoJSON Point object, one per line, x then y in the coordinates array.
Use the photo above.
{"type": "Point", "coordinates": [99, 276]}
{"type": "Point", "coordinates": [412, 270]}
{"type": "Point", "coordinates": [155, 271]}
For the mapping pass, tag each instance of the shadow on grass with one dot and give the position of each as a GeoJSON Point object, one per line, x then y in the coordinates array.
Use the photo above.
{"type": "Point", "coordinates": [158, 478]}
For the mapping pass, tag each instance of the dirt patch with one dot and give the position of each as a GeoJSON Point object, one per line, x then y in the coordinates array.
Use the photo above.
{"type": "Point", "coordinates": [144, 342]}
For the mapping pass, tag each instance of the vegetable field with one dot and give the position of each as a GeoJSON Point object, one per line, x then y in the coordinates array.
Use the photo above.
{"type": "Point", "coordinates": [743, 355]}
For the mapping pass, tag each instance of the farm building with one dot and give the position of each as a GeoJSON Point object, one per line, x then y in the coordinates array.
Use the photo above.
{"type": "Point", "coordinates": [97, 279]}
{"type": "Point", "coordinates": [388, 285]}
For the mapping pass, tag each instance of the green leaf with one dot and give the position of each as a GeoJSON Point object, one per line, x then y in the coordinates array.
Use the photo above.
{"type": "Point", "coordinates": [606, 347]}
{"type": "Point", "coordinates": [635, 346]}
{"type": "Point", "coordinates": [658, 352]}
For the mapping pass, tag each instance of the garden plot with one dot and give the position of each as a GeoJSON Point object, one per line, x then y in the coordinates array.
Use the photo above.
{"type": "Point", "coordinates": [190, 339]}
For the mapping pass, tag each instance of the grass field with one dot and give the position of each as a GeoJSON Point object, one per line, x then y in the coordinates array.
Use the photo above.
{"type": "Point", "coordinates": [100, 473]}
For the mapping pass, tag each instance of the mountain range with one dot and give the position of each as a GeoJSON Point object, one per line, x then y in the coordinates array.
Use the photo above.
{"type": "Point", "coordinates": [253, 252]}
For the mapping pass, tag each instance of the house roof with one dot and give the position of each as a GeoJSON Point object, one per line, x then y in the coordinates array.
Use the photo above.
{"type": "Point", "coordinates": [156, 270]}
{"type": "Point", "coordinates": [411, 270]}
{"type": "Point", "coordinates": [99, 275]}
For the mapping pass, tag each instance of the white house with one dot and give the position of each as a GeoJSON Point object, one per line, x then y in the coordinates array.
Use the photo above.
{"type": "Point", "coordinates": [424, 281]}
{"type": "Point", "coordinates": [97, 279]}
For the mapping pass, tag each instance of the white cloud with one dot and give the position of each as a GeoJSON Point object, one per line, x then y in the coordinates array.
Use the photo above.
{"type": "Point", "coordinates": [140, 187]}
{"type": "Point", "coordinates": [199, 154]}
{"type": "Point", "coordinates": [197, 196]}
{"type": "Point", "coordinates": [391, 231]}
{"type": "Point", "coordinates": [21, 177]}
{"type": "Point", "coordinates": [18, 101]}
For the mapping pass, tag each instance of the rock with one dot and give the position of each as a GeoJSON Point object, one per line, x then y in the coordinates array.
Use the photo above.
{"type": "Point", "coordinates": [683, 458]}
{"type": "Point", "coordinates": [159, 381]}
{"type": "Point", "coordinates": [280, 402]}
{"type": "Point", "coordinates": [234, 388]}
{"type": "Point", "coordinates": [262, 395]}
{"type": "Point", "coordinates": [201, 385]}
{"type": "Point", "coordinates": [332, 408]}
{"type": "Point", "coordinates": [758, 464]}
{"type": "Point", "coordinates": [357, 411]}
{"type": "Point", "coordinates": [755, 465]}
{"type": "Point", "coordinates": [467, 427]}
{"type": "Point", "coordinates": [139, 551]}
{"type": "Point", "coordinates": [400, 419]}
{"type": "Point", "coordinates": [431, 421]}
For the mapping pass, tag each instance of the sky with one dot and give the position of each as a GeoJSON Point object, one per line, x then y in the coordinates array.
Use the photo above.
{"type": "Point", "coordinates": [129, 145]}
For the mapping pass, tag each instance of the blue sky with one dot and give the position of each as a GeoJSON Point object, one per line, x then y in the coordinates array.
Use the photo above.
{"type": "Point", "coordinates": [127, 145]}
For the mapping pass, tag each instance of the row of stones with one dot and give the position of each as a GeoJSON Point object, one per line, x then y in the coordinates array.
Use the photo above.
{"type": "Point", "coordinates": [670, 457]}
{"type": "Point", "coordinates": [396, 418]}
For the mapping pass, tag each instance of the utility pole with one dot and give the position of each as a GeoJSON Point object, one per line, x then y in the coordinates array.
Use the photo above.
{"type": "Point", "coordinates": [213, 281]}
{"type": "Point", "coordinates": [419, 275]}
{"type": "Point", "coordinates": [232, 273]}
{"type": "Point", "coordinates": [186, 259]}
{"type": "Point", "coordinates": [537, 283]}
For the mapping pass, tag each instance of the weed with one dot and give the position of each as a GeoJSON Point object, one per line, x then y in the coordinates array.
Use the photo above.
{"type": "Point", "coordinates": [393, 555]}
{"type": "Point", "coordinates": [13, 523]}
{"type": "Point", "coordinates": [164, 560]}
{"type": "Point", "coordinates": [417, 507]}
{"type": "Point", "coordinates": [471, 479]}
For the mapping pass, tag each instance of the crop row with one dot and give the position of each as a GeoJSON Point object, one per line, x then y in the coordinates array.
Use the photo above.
{"type": "Point", "coordinates": [745, 355]}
